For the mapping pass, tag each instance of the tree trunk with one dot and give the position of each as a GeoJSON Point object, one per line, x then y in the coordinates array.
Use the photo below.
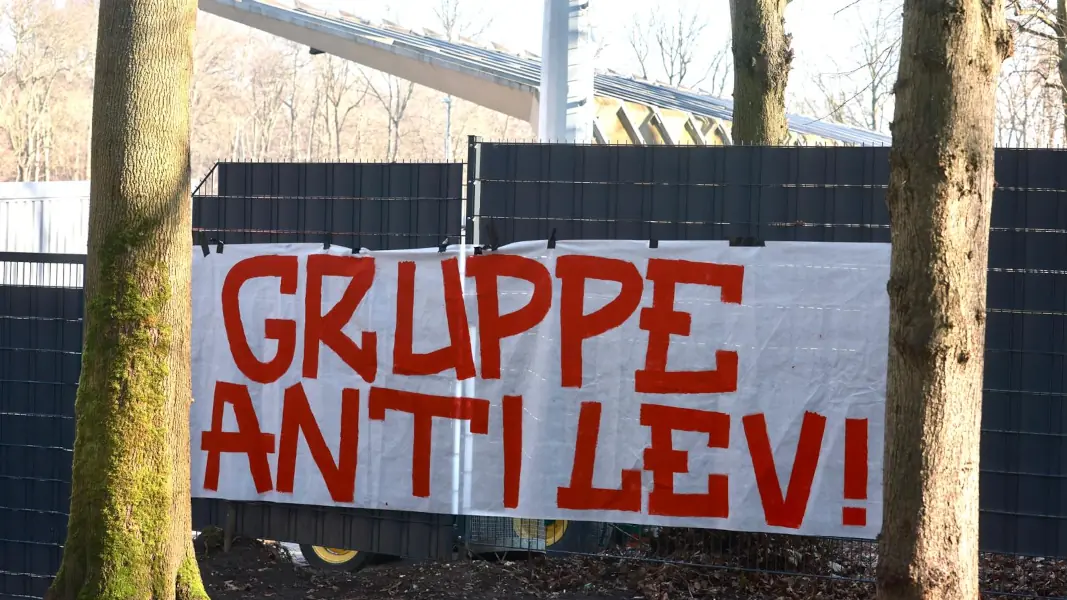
{"type": "Point", "coordinates": [48, 152]}
{"type": "Point", "coordinates": [129, 534]}
{"type": "Point", "coordinates": [762, 59]}
{"type": "Point", "coordinates": [939, 198]}
{"type": "Point", "coordinates": [1061, 41]}
{"type": "Point", "coordinates": [88, 149]}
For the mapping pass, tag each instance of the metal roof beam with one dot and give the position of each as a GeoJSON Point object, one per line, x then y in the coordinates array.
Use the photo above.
{"type": "Point", "coordinates": [693, 127]}
{"type": "Point", "coordinates": [661, 125]}
{"type": "Point", "coordinates": [598, 134]}
{"type": "Point", "coordinates": [630, 127]}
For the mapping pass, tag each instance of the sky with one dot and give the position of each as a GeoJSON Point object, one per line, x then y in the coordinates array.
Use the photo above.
{"type": "Point", "coordinates": [824, 31]}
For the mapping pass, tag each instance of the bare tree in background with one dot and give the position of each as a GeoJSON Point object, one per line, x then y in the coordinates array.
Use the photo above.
{"type": "Point", "coordinates": [226, 87]}
{"type": "Point", "coordinates": [600, 41]}
{"type": "Point", "coordinates": [456, 24]}
{"type": "Point", "coordinates": [39, 57]}
{"type": "Point", "coordinates": [674, 46]}
{"type": "Point", "coordinates": [861, 92]}
{"type": "Point", "coordinates": [343, 89]}
{"type": "Point", "coordinates": [639, 36]}
{"type": "Point", "coordinates": [678, 41]}
{"type": "Point", "coordinates": [762, 61]}
{"type": "Point", "coordinates": [939, 198]}
{"type": "Point", "coordinates": [1029, 112]}
{"type": "Point", "coordinates": [296, 59]}
{"type": "Point", "coordinates": [268, 81]}
{"type": "Point", "coordinates": [1045, 26]}
{"type": "Point", "coordinates": [217, 104]}
{"type": "Point", "coordinates": [394, 99]}
{"type": "Point", "coordinates": [1044, 21]}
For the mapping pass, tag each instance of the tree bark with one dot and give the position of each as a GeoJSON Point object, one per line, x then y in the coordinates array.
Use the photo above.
{"type": "Point", "coordinates": [129, 534]}
{"type": "Point", "coordinates": [762, 59]}
{"type": "Point", "coordinates": [939, 198]}
{"type": "Point", "coordinates": [1061, 43]}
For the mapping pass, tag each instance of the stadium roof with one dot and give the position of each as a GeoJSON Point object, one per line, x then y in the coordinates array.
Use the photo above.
{"type": "Point", "coordinates": [628, 109]}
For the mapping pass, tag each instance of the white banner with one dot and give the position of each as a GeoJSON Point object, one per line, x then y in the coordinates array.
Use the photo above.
{"type": "Point", "coordinates": [694, 384]}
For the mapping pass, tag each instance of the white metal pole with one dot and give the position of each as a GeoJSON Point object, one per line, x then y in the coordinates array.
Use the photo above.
{"type": "Point", "coordinates": [565, 100]}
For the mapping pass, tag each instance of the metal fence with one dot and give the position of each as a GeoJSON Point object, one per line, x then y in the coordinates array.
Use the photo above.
{"type": "Point", "coordinates": [378, 206]}
{"type": "Point", "coordinates": [520, 192]}
{"type": "Point", "coordinates": [41, 307]}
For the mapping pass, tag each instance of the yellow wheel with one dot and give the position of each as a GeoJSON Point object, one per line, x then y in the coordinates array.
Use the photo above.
{"type": "Point", "coordinates": [527, 529]}
{"type": "Point", "coordinates": [334, 556]}
{"type": "Point", "coordinates": [334, 559]}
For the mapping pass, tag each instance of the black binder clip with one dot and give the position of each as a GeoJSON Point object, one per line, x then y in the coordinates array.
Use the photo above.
{"type": "Point", "coordinates": [494, 237]}
{"type": "Point", "coordinates": [203, 244]}
{"type": "Point", "coordinates": [443, 246]}
{"type": "Point", "coordinates": [552, 240]}
{"type": "Point", "coordinates": [653, 243]}
{"type": "Point", "coordinates": [326, 242]}
{"type": "Point", "coordinates": [219, 246]}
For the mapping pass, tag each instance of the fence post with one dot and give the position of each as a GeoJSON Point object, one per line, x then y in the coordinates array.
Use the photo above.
{"type": "Point", "coordinates": [229, 527]}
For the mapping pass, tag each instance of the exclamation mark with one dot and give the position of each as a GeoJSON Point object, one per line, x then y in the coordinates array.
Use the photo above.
{"type": "Point", "coordinates": [855, 472]}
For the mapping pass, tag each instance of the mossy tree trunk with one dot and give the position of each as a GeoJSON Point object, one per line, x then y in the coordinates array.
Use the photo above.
{"type": "Point", "coordinates": [129, 535]}
{"type": "Point", "coordinates": [762, 59]}
{"type": "Point", "coordinates": [939, 197]}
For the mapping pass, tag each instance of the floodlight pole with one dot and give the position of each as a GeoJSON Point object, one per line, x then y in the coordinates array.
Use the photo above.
{"type": "Point", "coordinates": [565, 101]}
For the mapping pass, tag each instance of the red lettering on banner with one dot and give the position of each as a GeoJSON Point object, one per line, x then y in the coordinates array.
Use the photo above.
{"type": "Point", "coordinates": [457, 354]}
{"type": "Point", "coordinates": [664, 461]}
{"type": "Point", "coordinates": [424, 407]}
{"type": "Point", "coordinates": [493, 326]}
{"type": "Point", "coordinates": [512, 450]}
{"type": "Point", "coordinates": [580, 494]}
{"type": "Point", "coordinates": [787, 511]}
{"type": "Point", "coordinates": [326, 328]}
{"type": "Point", "coordinates": [855, 472]}
{"type": "Point", "coordinates": [248, 439]}
{"type": "Point", "coordinates": [297, 418]}
{"type": "Point", "coordinates": [283, 330]}
{"type": "Point", "coordinates": [661, 320]}
{"type": "Point", "coordinates": [575, 326]}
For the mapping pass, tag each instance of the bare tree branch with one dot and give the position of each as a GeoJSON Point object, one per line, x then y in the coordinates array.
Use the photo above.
{"type": "Point", "coordinates": [675, 43]}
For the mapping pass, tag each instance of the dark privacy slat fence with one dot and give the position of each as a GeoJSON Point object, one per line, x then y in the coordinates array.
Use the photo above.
{"type": "Point", "coordinates": [376, 206]}
{"type": "Point", "coordinates": [526, 191]}
{"type": "Point", "coordinates": [382, 206]}
{"type": "Point", "coordinates": [529, 191]}
{"type": "Point", "coordinates": [40, 358]}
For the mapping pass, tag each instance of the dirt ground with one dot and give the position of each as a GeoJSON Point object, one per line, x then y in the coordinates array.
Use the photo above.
{"type": "Point", "coordinates": [256, 570]}
{"type": "Point", "coordinates": [253, 569]}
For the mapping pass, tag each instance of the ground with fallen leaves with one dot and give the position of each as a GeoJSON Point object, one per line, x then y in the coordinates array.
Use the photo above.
{"type": "Point", "coordinates": [255, 569]}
